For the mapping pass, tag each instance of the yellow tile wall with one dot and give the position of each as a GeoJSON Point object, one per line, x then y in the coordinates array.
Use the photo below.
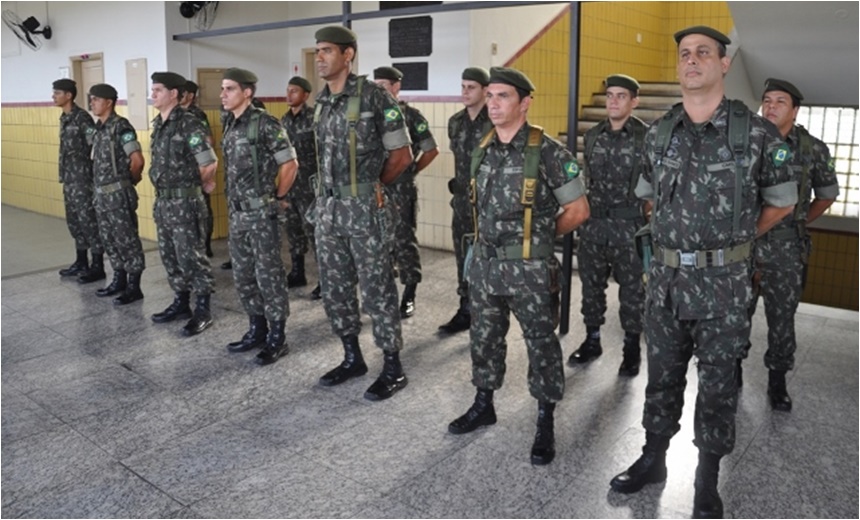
{"type": "Point", "coordinates": [832, 277]}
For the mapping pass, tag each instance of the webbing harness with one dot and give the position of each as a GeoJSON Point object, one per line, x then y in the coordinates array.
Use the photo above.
{"type": "Point", "coordinates": [353, 114]}
{"type": "Point", "coordinates": [639, 129]}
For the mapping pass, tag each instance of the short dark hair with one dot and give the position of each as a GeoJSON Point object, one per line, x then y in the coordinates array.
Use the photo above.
{"type": "Point", "coordinates": [721, 49]}
{"type": "Point", "coordinates": [521, 92]}
{"type": "Point", "coordinates": [344, 46]}
{"type": "Point", "coordinates": [252, 86]}
{"type": "Point", "coordinates": [73, 91]}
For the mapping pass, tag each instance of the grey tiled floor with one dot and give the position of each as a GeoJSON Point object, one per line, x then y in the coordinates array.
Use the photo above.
{"type": "Point", "coordinates": [105, 414]}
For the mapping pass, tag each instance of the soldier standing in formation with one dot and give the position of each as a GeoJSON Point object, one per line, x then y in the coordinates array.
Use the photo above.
{"type": "Point", "coordinates": [299, 123]}
{"type": "Point", "coordinates": [260, 167]}
{"type": "Point", "coordinates": [715, 173]}
{"type": "Point", "coordinates": [404, 191]}
{"type": "Point", "coordinates": [183, 168]}
{"type": "Point", "coordinates": [613, 160]}
{"type": "Point", "coordinates": [76, 176]}
{"type": "Point", "coordinates": [189, 103]}
{"type": "Point", "coordinates": [465, 129]}
{"type": "Point", "coordinates": [525, 190]}
{"type": "Point", "coordinates": [782, 254]}
{"type": "Point", "coordinates": [117, 168]}
{"type": "Point", "coordinates": [356, 124]}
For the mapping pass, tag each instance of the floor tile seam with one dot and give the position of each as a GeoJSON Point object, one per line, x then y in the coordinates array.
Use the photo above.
{"type": "Point", "coordinates": [153, 485]}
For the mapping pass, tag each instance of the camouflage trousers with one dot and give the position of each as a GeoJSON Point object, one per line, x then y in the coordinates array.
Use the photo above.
{"type": "Point", "coordinates": [461, 224]}
{"type": "Point", "coordinates": [181, 229]}
{"type": "Point", "coordinates": [404, 195]}
{"type": "Point", "coordinates": [717, 344]}
{"type": "Point", "coordinates": [490, 323]}
{"type": "Point", "coordinates": [354, 250]}
{"type": "Point", "coordinates": [300, 232]}
{"type": "Point", "coordinates": [117, 216]}
{"type": "Point", "coordinates": [81, 217]}
{"type": "Point", "coordinates": [258, 269]}
{"type": "Point", "coordinates": [780, 263]}
{"type": "Point", "coordinates": [596, 262]}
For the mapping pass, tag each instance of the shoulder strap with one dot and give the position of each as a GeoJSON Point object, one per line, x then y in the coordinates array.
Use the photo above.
{"type": "Point", "coordinates": [252, 135]}
{"type": "Point", "coordinates": [477, 157]}
{"type": "Point", "coordinates": [353, 114]}
{"type": "Point", "coordinates": [739, 139]}
{"type": "Point", "coordinates": [806, 158]}
{"type": "Point", "coordinates": [110, 131]}
{"type": "Point", "coordinates": [639, 130]}
{"type": "Point", "coordinates": [591, 138]}
{"type": "Point", "coordinates": [661, 144]}
{"type": "Point", "coordinates": [530, 177]}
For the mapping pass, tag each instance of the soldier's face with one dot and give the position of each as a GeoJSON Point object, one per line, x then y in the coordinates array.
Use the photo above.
{"type": "Point", "coordinates": [620, 103]}
{"type": "Point", "coordinates": [699, 64]}
{"type": "Point", "coordinates": [296, 96]}
{"type": "Point", "coordinates": [392, 88]}
{"type": "Point", "coordinates": [232, 95]}
{"type": "Point", "coordinates": [776, 107]}
{"type": "Point", "coordinates": [504, 105]}
{"type": "Point", "coordinates": [99, 106]}
{"type": "Point", "coordinates": [331, 62]}
{"type": "Point", "coordinates": [472, 92]}
{"type": "Point", "coordinates": [61, 97]}
{"type": "Point", "coordinates": [162, 97]}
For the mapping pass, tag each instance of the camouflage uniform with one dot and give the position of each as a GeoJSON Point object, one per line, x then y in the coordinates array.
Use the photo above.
{"type": "Point", "coordinates": [116, 198]}
{"type": "Point", "coordinates": [464, 135]}
{"type": "Point", "coordinates": [782, 253]}
{"type": "Point", "coordinates": [354, 235]}
{"type": "Point", "coordinates": [198, 112]}
{"type": "Point", "coordinates": [76, 176]}
{"type": "Point", "coordinates": [404, 194]}
{"type": "Point", "coordinates": [703, 310]}
{"type": "Point", "coordinates": [606, 243]}
{"type": "Point", "coordinates": [529, 288]}
{"type": "Point", "coordinates": [255, 237]}
{"type": "Point", "coordinates": [179, 148]}
{"type": "Point", "coordinates": [300, 130]}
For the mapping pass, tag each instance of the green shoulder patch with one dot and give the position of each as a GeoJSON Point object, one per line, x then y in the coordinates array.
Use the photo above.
{"type": "Point", "coordinates": [831, 164]}
{"type": "Point", "coordinates": [90, 130]}
{"type": "Point", "coordinates": [128, 137]}
{"type": "Point", "coordinates": [572, 169]}
{"type": "Point", "coordinates": [422, 127]}
{"type": "Point", "coordinates": [781, 154]}
{"type": "Point", "coordinates": [282, 134]}
{"type": "Point", "coordinates": [194, 140]}
{"type": "Point", "coordinates": [393, 114]}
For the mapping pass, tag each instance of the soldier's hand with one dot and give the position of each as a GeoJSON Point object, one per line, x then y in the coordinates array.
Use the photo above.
{"type": "Point", "coordinates": [209, 187]}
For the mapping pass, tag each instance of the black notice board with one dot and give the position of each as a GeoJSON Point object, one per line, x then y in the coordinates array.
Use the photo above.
{"type": "Point", "coordinates": [383, 5]}
{"type": "Point", "coordinates": [410, 36]}
{"type": "Point", "coordinates": [414, 75]}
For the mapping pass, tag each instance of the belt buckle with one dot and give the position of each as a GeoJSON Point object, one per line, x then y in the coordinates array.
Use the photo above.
{"type": "Point", "coordinates": [688, 259]}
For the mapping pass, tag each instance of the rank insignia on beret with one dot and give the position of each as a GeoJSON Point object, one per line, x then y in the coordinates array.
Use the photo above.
{"type": "Point", "coordinates": [194, 140]}
{"type": "Point", "coordinates": [392, 114]}
{"type": "Point", "coordinates": [831, 164]}
{"type": "Point", "coordinates": [572, 169]}
{"type": "Point", "coordinates": [422, 127]}
{"type": "Point", "coordinates": [780, 155]}
{"type": "Point", "coordinates": [128, 136]}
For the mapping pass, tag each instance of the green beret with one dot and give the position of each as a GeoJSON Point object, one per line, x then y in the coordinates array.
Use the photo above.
{"type": "Point", "coordinates": [511, 76]}
{"type": "Point", "coordinates": [783, 86]}
{"type": "Point", "coordinates": [66, 85]}
{"type": "Point", "coordinates": [191, 87]}
{"type": "Point", "coordinates": [104, 91]}
{"type": "Point", "coordinates": [301, 82]}
{"type": "Point", "coordinates": [623, 81]}
{"type": "Point", "coordinates": [477, 74]}
{"type": "Point", "coordinates": [170, 80]}
{"type": "Point", "coordinates": [389, 73]}
{"type": "Point", "coordinates": [702, 29]}
{"type": "Point", "coordinates": [240, 75]}
{"type": "Point", "coordinates": [336, 34]}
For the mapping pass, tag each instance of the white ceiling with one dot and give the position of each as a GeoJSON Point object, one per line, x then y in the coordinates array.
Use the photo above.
{"type": "Point", "coordinates": [814, 45]}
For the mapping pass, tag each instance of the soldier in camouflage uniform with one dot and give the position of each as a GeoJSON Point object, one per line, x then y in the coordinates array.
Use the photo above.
{"type": "Point", "coordinates": [117, 168]}
{"type": "Point", "coordinates": [404, 191]}
{"type": "Point", "coordinates": [183, 168]}
{"type": "Point", "coordinates": [513, 268]}
{"type": "Point", "coordinates": [714, 171]}
{"type": "Point", "coordinates": [260, 166]}
{"type": "Point", "coordinates": [353, 216]}
{"type": "Point", "coordinates": [76, 176]}
{"type": "Point", "coordinates": [465, 129]}
{"type": "Point", "coordinates": [299, 121]}
{"type": "Point", "coordinates": [189, 103]}
{"type": "Point", "coordinates": [613, 159]}
{"type": "Point", "coordinates": [783, 252]}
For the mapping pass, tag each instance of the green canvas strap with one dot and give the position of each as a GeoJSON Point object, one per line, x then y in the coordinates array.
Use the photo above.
{"type": "Point", "coordinates": [639, 130]}
{"type": "Point", "coordinates": [353, 114]}
{"type": "Point", "coordinates": [739, 138]}
{"type": "Point", "coordinates": [252, 135]}
{"type": "Point", "coordinates": [806, 157]}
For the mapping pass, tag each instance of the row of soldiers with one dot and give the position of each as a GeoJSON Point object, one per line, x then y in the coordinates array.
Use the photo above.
{"type": "Point", "coordinates": [715, 178]}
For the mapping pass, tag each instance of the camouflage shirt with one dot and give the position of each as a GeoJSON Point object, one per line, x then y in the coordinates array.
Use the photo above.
{"type": "Point", "coordinates": [179, 149]}
{"type": "Point", "coordinates": [300, 129]}
{"type": "Point", "coordinates": [419, 133]}
{"type": "Point", "coordinates": [113, 139]}
{"type": "Point", "coordinates": [198, 112]}
{"type": "Point", "coordinates": [464, 135]}
{"type": "Point", "coordinates": [273, 149]}
{"type": "Point", "coordinates": [76, 140]}
{"type": "Point", "coordinates": [609, 172]}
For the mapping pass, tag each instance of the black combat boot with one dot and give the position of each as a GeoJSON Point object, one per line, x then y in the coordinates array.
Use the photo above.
{"type": "Point", "coordinates": [116, 286]}
{"type": "Point", "coordinates": [316, 294]}
{"type": "Point", "coordinates": [407, 303]}
{"type": "Point", "coordinates": [707, 502]}
{"type": "Point", "coordinates": [779, 398]}
{"type": "Point", "coordinates": [255, 337]}
{"type": "Point", "coordinates": [481, 413]}
{"type": "Point", "coordinates": [351, 366]}
{"type": "Point", "coordinates": [178, 310]}
{"type": "Point", "coordinates": [590, 348]}
{"type": "Point", "coordinates": [80, 265]}
{"type": "Point", "coordinates": [276, 344]}
{"type": "Point", "coordinates": [132, 291]}
{"type": "Point", "coordinates": [543, 450]}
{"type": "Point", "coordinates": [201, 319]}
{"type": "Point", "coordinates": [739, 374]}
{"type": "Point", "coordinates": [96, 271]}
{"type": "Point", "coordinates": [649, 468]}
{"type": "Point", "coordinates": [390, 381]}
{"type": "Point", "coordinates": [296, 276]}
{"type": "Point", "coordinates": [461, 321]}
{"type": "Point", "coordinates": [632, 357]}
